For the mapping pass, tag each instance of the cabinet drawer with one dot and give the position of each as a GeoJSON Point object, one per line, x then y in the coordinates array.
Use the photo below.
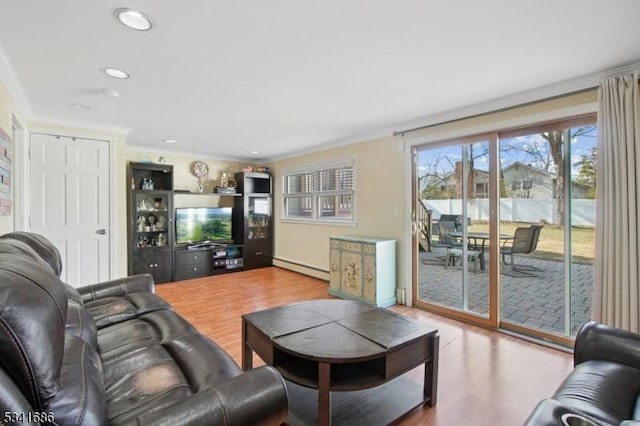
{"type": "Point", "coordinates": [351, 246]}
{"type": "Point", "coordinates": [185, 272]}
{"type": "Point", "coordinates": [200, 258]}
{"type": "Point", "coordinates": [334, 244]}
{"type": "Point", "coordinates": [369, 249]}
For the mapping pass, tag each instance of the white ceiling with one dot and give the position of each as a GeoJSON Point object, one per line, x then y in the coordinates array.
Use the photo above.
{"type": "Point", "coordinates": [229, 77]}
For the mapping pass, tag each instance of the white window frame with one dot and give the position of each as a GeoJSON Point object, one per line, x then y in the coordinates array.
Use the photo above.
{"type": "Point", "coordinates": [315, 194]}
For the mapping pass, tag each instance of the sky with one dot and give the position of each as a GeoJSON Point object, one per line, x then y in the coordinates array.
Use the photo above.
{"type": "Point", "coordinates": [443, 159]}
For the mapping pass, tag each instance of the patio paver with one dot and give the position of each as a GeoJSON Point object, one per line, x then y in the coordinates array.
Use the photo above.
{"type": "Point", "coordinates": [535, 301]}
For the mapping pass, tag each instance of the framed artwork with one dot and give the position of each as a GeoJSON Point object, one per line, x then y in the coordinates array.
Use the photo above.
{"type": "Point", "coordinates": [6, 160]}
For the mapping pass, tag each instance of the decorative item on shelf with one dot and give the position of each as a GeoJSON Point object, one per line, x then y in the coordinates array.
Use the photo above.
{"type": "Point", "coordinates": [158, 204]}
{"type": "Point", "coordinates": [199, 169]}
{"type": "Point", "coordinates": [147, 184]}
{"type": "Point", "coordinates": [262, 169]}
{"type": "Point", "coordinates": [162, 223]}
{"type": "Point", "coordinates": [162, 160]}
{"type": "Point", "coordinates": [146, 205]}
{"type": "Point", "coordinates": [224, 180]}
{"type": "Point", "coordinates": [142, 222]}
{"type": "Point", "coordinates": [224, 190]}
{"type": "Point", "coordinates": [161, 240]}
{"type": "Point", "coordinates": [152, 219]}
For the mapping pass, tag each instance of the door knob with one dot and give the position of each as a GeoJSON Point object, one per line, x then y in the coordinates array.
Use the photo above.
{"type": "Point", "coordinates": [101, 232]}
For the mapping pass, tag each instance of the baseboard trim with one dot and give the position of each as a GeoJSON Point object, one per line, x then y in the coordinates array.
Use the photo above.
{"type": "Point", "coordinates": [309, 270]}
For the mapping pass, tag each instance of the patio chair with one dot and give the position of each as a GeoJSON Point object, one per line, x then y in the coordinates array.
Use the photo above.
{"type": "Point", "coordinates": [445, 228]}
{"type": "Point", "coordinates": [524, 241]}
{"type": "Point", "coordinates": [445, 240]}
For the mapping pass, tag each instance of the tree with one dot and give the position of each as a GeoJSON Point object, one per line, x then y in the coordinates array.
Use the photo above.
{"type": "Point", "coordinates": [587, 173]}
{"type": "Point", "coordinates": [556, 139]}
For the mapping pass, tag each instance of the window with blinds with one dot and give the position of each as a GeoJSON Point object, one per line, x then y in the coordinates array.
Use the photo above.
{"type": "Point", "coordinates": [320, 193]}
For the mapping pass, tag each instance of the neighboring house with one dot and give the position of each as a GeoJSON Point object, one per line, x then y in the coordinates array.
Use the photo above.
{"type": "Point", "coordinates": [520, 181]}
{"type": "Point", "coordinates": [524, 181]}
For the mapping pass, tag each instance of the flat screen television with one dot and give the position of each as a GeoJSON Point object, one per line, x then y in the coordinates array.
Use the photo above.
{"type": "Point", "coordinates": [198, 224]}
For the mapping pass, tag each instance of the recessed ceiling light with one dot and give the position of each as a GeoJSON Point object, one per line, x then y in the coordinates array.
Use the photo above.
{"type": "Point", "coordinates": [81, 106]}
{"type": "Point", "coordinates": [110, 93]}
{"type": "Point", "coordinates": [169, 141]}
{"type": "Point", "coordinates": [133, 19]}
{"type": "Point", "coordinates": [116, 73]}
{"type": "Point", "coordinates": [255, 152]}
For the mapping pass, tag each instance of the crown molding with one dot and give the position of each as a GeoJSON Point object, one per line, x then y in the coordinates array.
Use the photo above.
{"type": "Point", "coordinates": [43, 121]}
{"type": "Point", "coordinates": [176, 151]}
{"type": "Point", "coordinates": [10, 80]}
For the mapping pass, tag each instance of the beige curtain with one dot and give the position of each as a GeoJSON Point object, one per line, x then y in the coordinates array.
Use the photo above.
{"type": "Point", "coordinates": [616, 298]}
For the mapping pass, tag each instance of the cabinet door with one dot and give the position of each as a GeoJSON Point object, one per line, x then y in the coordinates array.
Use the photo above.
{"type": "Point", "coordinates": [369, 276]}
{"type": "Point", "coordinates": [155, 262]}
{"type": "Point", "coordinates": [152, 219]}
{"type": "Point", "coordinates": [351, 273]}
{"type": "Point", "coordinates": [334, 266]}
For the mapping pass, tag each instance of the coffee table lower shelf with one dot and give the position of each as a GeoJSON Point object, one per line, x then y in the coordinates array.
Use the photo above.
{"type": "Point", "coordinates": [380, 405]}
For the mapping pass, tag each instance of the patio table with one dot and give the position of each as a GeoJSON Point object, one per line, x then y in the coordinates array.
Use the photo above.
{"type": "Point", "coordinates": [479, 242]}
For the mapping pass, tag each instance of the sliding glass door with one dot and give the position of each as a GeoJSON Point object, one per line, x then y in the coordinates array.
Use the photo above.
{"type": "Point", "coordinates": [506, 228]}
{"type": "Point", "coordinates": [548, 178]}
{"type": "Point", "coordinates": [453, 213]}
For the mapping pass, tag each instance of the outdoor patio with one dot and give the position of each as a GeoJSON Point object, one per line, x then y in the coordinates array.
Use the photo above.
{"type": "Point", "coordinates": [532, 301]}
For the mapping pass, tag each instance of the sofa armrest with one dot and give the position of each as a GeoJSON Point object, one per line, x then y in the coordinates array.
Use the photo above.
{"type": "Point", "coordinates": [255, 397]}
{"type": "Point", "coordinates": [596, 341]}
{"type": "Point", "coordinates": [117, 287]}
{"type": "Point", "coordinates": [550, 412]}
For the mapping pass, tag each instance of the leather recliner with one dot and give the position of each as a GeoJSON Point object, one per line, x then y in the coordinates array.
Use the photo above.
{"type": "Point", "coordinates": [604, 386]}
{"type": "Point", "coordinates": [113, 353]}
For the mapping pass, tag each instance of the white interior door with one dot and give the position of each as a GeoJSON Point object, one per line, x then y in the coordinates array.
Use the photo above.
{"type": "Point", "coordinates": [69, 203]}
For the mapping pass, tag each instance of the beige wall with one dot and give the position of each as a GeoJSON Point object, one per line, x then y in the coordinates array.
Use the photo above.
{"type": "Point", "coordinates": [380, 173]}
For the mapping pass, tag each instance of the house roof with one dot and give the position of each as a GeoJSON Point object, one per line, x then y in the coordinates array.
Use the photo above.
{"type": "Point", "coordinates": [519, 165]}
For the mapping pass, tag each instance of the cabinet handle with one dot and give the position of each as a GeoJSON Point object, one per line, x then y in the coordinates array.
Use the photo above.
{"type": "Point", "coordinates": [195, 257]}
{"type": "Point", "coordinates": [334, 267]}
{"type": "Point", "coordinates": [195, 269]}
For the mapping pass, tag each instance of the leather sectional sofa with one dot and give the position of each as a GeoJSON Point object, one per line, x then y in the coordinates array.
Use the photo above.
{"type": "Point", "coordinates": [113, 353]}
{"type": "Point", "coordinates": [604, 386]}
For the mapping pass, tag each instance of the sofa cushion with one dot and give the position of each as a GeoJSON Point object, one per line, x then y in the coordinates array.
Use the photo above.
{"type": "Point", "coordinates": [10, 245]}
{"type": "Point", "coordinates": [41, 245]}
{"type": "Point", "coordinates": [155, 360]}
{"type": "Point", "coordinates": [33, 309]}
{"type": "Point", "coordinates": [112, 310]}
{"type": "Point", "coordinates": [603, 389]}
{"type": "Point", "coordinates": [81, 397]}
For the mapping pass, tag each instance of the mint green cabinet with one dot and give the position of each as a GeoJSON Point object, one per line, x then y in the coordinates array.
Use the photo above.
{"type": "Point", "coordinates": [363, 269]}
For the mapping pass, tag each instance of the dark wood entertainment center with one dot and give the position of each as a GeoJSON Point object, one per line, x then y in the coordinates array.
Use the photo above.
{"type": "Point", "coordinates": [152, 246]}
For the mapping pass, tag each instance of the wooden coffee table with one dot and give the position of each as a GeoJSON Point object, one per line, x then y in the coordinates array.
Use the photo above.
{"type": "Point", "coordinates": [340, 345]}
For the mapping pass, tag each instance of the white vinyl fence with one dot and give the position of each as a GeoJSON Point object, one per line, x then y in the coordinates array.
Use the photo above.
{"type": "Point", "coordinates": [531, 210]}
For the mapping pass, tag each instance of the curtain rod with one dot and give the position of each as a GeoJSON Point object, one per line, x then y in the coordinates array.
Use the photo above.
{"type": "Point", "coordinates": [493, 111]}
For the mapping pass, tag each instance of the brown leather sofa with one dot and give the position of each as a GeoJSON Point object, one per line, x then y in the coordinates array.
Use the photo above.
{"type": "Point", "coordinates": [113, 353]}
{"type": "Point", "coordinates": [604, 386]}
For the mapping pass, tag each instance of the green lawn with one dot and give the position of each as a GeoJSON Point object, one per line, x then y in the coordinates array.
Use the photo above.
{"type": "Point", "coordinates": [551, 242]}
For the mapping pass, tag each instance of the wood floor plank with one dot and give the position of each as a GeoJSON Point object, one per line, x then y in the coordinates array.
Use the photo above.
{"type": "Point", "coordinates": [485, 377]}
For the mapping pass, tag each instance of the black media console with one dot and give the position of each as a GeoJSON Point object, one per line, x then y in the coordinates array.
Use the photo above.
{"type": "Point", "coordinates": [202, 260]}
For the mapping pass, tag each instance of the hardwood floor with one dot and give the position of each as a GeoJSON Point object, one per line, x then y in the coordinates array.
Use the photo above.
{"type": "Point", "coordinates": [485, 377]}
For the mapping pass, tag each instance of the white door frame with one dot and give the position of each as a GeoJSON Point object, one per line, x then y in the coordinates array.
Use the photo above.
{"type": "Point", "coordinates": [22, 209]}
